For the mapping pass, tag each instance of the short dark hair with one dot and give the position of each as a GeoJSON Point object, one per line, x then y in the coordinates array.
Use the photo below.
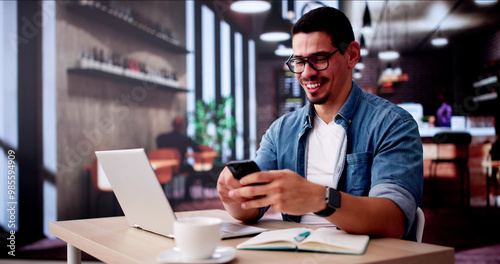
{"type": "Point", "coordinates": [329, 20]}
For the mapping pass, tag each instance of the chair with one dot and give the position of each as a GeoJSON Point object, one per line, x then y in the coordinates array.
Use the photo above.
{"type": "Point", "coordinates": [98, 177]}
{"type": "Point", "coordinates": [203, 160]}
{"type": "Point", "coordinates": [492, 168]}
{"type": "Point", "coordinates": [165, 173]}
{"type": "Point", "coordinates": [461, 140]}
{"type": "Point", "coordinates": [100, 183]}
{"type": "Point", "coordinates": [166, 163]}
{"type": "Point", "coordinates": [420, 225]}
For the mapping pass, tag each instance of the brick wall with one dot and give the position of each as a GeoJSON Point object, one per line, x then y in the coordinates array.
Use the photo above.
{"type": "Point", "coordinates": [492, 48]}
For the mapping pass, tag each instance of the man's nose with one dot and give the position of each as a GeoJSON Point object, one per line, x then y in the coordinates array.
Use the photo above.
{"type": "Point", "coordinates": [309, 69]}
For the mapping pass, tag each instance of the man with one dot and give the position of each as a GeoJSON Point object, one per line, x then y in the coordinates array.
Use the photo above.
{"type": "Point", "coordinates": [176, 139]}
{"type": "Point", "coordinates": [349, 158]}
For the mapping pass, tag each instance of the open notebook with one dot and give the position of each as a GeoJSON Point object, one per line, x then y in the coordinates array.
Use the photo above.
{"type": "Point", "coordinates": [142, 198]}
{"type": "Point", "coordinates": [326, 240]}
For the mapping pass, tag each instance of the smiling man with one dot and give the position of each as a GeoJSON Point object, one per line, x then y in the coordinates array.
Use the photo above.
{"type": "Point", "coordinates": [348, 158]}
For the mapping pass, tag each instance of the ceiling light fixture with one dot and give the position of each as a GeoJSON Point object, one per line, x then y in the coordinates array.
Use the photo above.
{"type": "Point", "coordinates": [357, 74]}
{"type": "Point", "coordinates": [250, 7]}
{"type": "Point", "coordinates": [364, 50]}
{"type": "Point", "coordinates": [485, 2]}
{"type": "Point", "coordinates": [360, 65]}
{"type": "Point", "coordinates": [389, 53]}
{"type": "Point", "coordinates": [283, 51]}
{"type": "Point", "coordinates": [439, 41]}
{"type": "Point", "coordinates": [367, 18]}
{"type": "Point", "coordinates": [275, 27]}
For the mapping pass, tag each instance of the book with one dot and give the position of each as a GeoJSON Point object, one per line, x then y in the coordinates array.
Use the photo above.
{"type": "Point", "coordinates": [326, 240]}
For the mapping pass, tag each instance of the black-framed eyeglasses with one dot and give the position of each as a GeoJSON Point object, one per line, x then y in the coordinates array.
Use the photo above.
{"type": "Point", "coordinates": [317, 62]}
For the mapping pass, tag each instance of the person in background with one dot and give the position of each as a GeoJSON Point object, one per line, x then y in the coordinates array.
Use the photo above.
{"type": "Point", "coordinates": [176, 139]}
{"type": "Point", "coordinates": [348, 158]}
{"type": "Point", "coordinates": [444, 112]}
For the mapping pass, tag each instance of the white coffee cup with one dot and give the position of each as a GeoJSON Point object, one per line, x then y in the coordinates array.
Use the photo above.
{"type": "Point", "coordinates": [197, 237]}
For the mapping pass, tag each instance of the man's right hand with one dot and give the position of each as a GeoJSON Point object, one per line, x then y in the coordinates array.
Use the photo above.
{"type": "Point", "coordinates": [225, 184]}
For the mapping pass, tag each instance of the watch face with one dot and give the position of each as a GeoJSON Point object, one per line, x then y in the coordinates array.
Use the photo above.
{"type": "Point", "coordinates": [333, 198]}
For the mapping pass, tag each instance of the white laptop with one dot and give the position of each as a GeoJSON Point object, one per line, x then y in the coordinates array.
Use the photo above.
{"type": "Point", "coordinates": [142, 198]}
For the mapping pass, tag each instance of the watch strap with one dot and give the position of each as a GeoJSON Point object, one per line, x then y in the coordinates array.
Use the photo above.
{"type": "Point", "coordinates": [329, 210]}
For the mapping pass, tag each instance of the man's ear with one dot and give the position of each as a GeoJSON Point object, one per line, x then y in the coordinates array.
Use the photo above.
{"type": "Point", "coordinates": [352, 54]}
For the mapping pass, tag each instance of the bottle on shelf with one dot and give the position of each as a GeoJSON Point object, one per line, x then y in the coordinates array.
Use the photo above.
{"type": "Point", "coordinates": [113, 63]}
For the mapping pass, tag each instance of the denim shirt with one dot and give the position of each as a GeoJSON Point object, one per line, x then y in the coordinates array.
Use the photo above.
{"type": "Point", "coordinates": [384, 151]}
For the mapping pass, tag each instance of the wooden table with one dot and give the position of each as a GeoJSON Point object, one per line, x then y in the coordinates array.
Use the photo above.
{"type": "Point", "coordinates": [164, 165]}
{"type": "Point", "coordinates": [204, 160]}
{"type": "Point", "coordinates": [112, 240]}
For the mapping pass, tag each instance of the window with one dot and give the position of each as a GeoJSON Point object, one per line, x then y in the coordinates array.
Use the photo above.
{"type": "Point", "coordinates": [221, 64]}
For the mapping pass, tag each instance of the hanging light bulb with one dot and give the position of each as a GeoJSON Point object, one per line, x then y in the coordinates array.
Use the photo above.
{"type": "Point", "coordinates": [283, 51]}
{"type": "Point", "coordinates": [275, 27]}
{"type": "Point", "coordinates": [389, 71]}
{"type": "Point", "coordinates": [360, 65]}
{"type": "Point", "coordinates": [485, 2]}
{"type": "Point", "coordinates": [362, 45]}
{"type": "Point", "coordinates": [357, 74]}
{"type": "Point", "coordinates": [397, 71]}
{"type": "Point", "coordinates": [250, 7]}
{"type": "Point", "coordinates": [389, 53]}
{"type": "Point", "coordinates": [439, 41]}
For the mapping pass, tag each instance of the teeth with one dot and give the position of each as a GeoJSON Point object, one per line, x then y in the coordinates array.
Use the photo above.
{"type": "Point", "coordinates": [311, 86]}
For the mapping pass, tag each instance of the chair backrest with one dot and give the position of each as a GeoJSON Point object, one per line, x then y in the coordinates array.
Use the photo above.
{"type": "Point", "coordinates": [167, 154]}
{"type": "Point", "coordinates": [460, 139]}
{"type": "Point", "coordinates": [420, 224]}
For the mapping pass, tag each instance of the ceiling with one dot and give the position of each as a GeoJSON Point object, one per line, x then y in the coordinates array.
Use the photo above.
{"type": "Point", "coordinates": [407, 26]}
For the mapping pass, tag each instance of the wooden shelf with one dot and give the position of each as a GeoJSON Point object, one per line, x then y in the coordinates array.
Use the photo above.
{"type": "Point", "coordinates": [132, 28]}
{"type": "Point", "coordinates": [485, 97]}
{"type": "Point", "coordinates": [493, 80]}
{"type": "Point", "coordinates": [123, 78]}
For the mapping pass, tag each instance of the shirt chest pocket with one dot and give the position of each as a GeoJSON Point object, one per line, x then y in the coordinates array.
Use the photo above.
{"type": "Point", "coordinates": [358, 176]}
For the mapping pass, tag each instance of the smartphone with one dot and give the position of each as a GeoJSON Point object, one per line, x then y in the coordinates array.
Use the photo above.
{"type": "Point", "coordinates": [241, 168]}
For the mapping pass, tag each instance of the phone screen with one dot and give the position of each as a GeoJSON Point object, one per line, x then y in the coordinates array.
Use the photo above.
{"type": "Point", "coordinates": [241, 168]}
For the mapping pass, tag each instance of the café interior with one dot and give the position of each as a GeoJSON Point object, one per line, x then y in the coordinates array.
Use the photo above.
{"type": "Point", "coordinates": [90, 75]}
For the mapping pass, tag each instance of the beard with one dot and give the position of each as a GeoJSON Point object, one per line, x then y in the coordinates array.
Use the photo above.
{"type": "Point", "coordinates": [316, 98]}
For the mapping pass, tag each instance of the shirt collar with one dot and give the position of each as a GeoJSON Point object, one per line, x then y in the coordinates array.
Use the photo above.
{"type": "Point", "coordinates": [351, 105]}
{"type": "Point", "coordinates": [346, 112]}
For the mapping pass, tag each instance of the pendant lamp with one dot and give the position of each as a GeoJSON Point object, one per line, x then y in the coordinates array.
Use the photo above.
{"type": "Point", "coordinates": [362, 45]}
{"type": "Point", "coordinates": [367, 18]}
{"type": "Point", "coordinates": [275, 27]}
{"type": "Point", "coordinates": [389, 53]}
{"type": "Point", "coordinates": [439, 41]}
{"type": "Point", "coordinates": [283, 51]}
{"type": "Point", "coordinates": [250, 7]}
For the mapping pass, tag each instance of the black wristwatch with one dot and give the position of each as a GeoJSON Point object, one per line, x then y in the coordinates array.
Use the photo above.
{"type": "Point", "coordinates": [332, 202]}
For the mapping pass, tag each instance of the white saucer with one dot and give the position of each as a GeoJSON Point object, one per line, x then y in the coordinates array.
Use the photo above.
{"type": "Point", "coordinates": [221, 255]}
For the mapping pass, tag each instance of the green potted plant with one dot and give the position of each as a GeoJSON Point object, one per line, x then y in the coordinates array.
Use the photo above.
{"type": "Point", "coordinates": [215, 126]}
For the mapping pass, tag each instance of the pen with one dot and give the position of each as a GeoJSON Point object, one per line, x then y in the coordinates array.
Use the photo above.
{"type": "Point", "coordinates": [300, 237]}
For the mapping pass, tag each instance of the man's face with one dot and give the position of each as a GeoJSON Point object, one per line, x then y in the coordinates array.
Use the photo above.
{"type": "Point", "coordinates": [321, 87]}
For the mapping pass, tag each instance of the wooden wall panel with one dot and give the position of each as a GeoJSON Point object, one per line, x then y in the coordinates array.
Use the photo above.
{"type": "Point", "coordinates": [95, 113]}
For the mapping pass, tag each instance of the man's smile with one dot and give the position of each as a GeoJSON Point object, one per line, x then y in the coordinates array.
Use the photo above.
{"type": "Point", "coordinates": [312, 87]}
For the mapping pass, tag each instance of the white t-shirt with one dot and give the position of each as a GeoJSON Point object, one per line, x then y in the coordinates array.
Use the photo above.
{"type": "Point", "coordinates": [326, 150]}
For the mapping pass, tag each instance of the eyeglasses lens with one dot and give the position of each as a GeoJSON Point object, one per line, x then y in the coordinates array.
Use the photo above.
{"type": "Point", "coordinates": [318, 63]}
